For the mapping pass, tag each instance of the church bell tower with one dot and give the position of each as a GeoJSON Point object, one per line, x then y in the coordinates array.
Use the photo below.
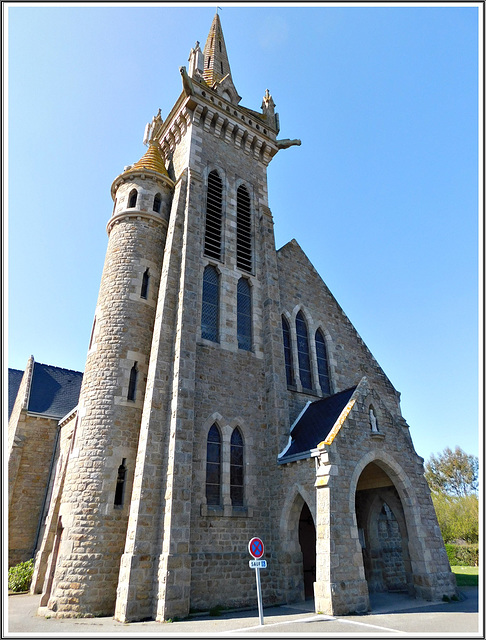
{"type": "Point", "coordinates": [188, 299]}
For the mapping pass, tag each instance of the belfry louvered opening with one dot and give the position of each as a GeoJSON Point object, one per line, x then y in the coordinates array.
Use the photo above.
{"type": "Point", "coordinates": [243, 230]}
{"type": "Point", "coordinates": [214, 210]}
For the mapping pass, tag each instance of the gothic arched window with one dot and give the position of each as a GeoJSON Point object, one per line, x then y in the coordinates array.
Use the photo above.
{"type": "Point", "coordinates": [210, 304]}
{"type": "Point", "coordinates": [132, 384]}
{"type": "Point", "coordinates": [145, 284]}
{"type": "Point", "coordinates": [236, 468]}
{"type": "Point", "coordinates": [322, 367]}
{"type": "Point", "coordinates": [132, 199]}
{"type": "Point", "coordinates": [157, 203]}
{"type": "Point", "coordinates": [213, 466]}
{"type": "Point", "coordinates": [120, 484]}
{"type": "Point", "coordinates": [243, 314]}
{"type": "Point", "coordinates": [303, 351]}
{"type": "Point", "coordinates": [214, 213]}
{"type": "Point", "coordinates": [287, 352]}
{"type": "Point", "coordinates": [243, 229]}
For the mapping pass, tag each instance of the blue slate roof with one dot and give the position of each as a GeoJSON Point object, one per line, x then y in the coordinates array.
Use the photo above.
{"type": "Point", "coordinates": [54, 391]}
{"type": "Point", "coordinates": [14, 380]}
{"type": "Point", "coordinates": [314, 425]}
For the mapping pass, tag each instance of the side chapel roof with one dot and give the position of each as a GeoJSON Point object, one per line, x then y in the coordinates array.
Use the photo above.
{"type": "Point", "coordinates": [14, 380]}
{"type": "Point", "coordinates": [54, 391]}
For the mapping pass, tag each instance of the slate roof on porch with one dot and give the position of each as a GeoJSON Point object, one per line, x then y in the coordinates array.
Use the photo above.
{"type": "Point", "coordinates": [314, 425]}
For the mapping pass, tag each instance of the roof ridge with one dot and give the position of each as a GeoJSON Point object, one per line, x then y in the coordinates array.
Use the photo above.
{"type": "Point", "coordinates": [53, 366]}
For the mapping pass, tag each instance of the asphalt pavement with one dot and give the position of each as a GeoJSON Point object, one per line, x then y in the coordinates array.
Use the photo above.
{"type": "Point", "coordinates": [391, 615]}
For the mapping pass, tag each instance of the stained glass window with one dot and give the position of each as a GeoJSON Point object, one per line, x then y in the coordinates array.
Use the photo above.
{"type": "Point", "coordinates": [244, 314]}
{"type": "Point", "coordinates": [213, 466]}
{"type": "Point", "coordinates": [287, 352]}
{"type": "Point", "coordinates": [303, 351]}
{"type": "Point", "coordinates": [236, 468]}
{"type": "Point", "coordinates": [322, 367]}
{"type": "Point", "coordinates": [210, 304]}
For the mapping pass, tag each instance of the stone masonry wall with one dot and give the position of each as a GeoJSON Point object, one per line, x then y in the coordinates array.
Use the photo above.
{"type": "Point", "coordinates": [30, 488]}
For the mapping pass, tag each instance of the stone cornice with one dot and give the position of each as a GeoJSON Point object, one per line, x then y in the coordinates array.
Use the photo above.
{"type": "Point", "coordinates": [134, 213]}
{"type": "Point", "coordinates": [244, 129]}
{"type": "Point", "coordinates": [139, 173]}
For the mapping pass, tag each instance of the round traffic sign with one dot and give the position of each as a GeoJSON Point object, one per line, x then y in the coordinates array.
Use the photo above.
{"type": "Point", "coordinates": [255, 547]}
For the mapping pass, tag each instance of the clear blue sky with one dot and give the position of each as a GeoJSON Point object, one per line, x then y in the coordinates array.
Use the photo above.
{"type": "Point", "coordinates": [382, 195]}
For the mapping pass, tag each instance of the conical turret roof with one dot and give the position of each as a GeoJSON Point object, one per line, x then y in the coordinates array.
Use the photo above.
{"type": "Point", "coordinates": [152, 160]}
{"type": "Point", "coordinates": [216, 63]}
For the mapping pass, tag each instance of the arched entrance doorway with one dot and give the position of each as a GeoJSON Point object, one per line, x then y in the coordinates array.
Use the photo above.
{"type": "Point", "coordinates": [382, 532]}
{"type": "Point", "coordinates": [307, 541]}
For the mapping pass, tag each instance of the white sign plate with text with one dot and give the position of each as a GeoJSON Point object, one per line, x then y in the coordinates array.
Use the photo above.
{"type": "Point", "coordinates": [258, 564]}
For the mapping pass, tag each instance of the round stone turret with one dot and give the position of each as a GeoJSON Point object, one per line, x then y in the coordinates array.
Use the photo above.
{"type": "Point", "coordinates": [95, 508]}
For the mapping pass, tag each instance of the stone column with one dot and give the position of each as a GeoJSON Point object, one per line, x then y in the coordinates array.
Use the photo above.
{"type": "Point", "coordinates": [340, 586]}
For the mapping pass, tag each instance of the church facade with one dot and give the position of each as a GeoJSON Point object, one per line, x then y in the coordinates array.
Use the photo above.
{"type": "Point", "coordinates": [226, 395]}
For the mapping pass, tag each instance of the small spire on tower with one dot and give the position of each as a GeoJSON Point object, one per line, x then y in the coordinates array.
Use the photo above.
{"type": "Point", "coordinates": [216, 63]}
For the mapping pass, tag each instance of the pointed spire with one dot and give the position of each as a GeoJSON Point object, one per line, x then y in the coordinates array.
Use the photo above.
{"type": "Point", "coordinates": [216, 63]}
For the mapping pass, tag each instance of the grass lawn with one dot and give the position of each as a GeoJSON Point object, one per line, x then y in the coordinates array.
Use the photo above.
{"type": "Point", "coordinates": [466, 576]}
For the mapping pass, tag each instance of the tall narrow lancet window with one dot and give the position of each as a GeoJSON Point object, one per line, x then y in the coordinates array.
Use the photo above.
{"type": "Point", "coordinates": [213, 466]}
{"type": "Point", "coordinates": [303, 351]}
{"type": "Point", "coordinates": [210, 304]}
{"type": "Point", "coordinates": [120, 484]}
{"type": "Point", "coordinates": [322, 367]}
{"type": "Point", "coordinates": [145, 284]}
{"type": "Point", "coordinates": [132, 199]}
{"type": "Point", "coordinates": [243, 229]}
{"type": "Point", "coordinates": [289, 369]}
{"type": "Point", "coordinates": [243, 314]}
{"type": "Point", "coordinates": [214, 213]}
{"type": "Point", "coordinates": [132, 383]}
{"type": "Point", "coordinates": [157, 203]}
{"type": "Point", "coordinates": [236, 468]}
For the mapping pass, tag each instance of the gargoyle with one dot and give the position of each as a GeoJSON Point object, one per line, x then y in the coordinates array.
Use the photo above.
{"type": "Point", "coordinates": [286, 143]}
{"type": "Point", "coordinates": [186, 82]}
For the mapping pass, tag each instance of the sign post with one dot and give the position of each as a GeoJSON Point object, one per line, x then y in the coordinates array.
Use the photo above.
{"type": "Point", "coordinates": [256, 549]}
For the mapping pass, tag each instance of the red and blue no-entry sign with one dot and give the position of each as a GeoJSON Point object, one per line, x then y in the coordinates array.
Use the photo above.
{"type": "Point", "coordinates": [255, 547]}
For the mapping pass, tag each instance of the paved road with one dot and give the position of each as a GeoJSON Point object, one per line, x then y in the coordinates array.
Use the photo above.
{"type": "Point", "coordinates": [391, 616]}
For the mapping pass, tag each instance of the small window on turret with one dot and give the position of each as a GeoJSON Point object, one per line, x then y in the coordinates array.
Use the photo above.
{"type": "Point", "coordinates": [220, 49]}
{"type": "Point", "coordinates": [145, 284]}
{"type": "Point", "coordinates": [132, 384]}
{"type": "Point", "coordinates": [120, 484]}
{"type": "Point", "coordinates": [132, 199]}
{"type": "Point", "coordinates": [209, 62]}
{"type": "Point", "coordinates": [157, 203]}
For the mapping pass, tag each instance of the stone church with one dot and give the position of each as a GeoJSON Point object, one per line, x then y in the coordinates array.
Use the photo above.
{"type": "Point", "coordinates": [225, 396]}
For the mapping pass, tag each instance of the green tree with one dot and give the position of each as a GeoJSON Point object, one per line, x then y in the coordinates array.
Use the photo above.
{"type": "Point", "coordinates": [457, 516]}
{"type": "Point", "coordinates": [454, 473]}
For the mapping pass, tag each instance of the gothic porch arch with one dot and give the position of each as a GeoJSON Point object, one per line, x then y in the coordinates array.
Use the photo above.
{"type": "Point", "coordinates": [401, 505]}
